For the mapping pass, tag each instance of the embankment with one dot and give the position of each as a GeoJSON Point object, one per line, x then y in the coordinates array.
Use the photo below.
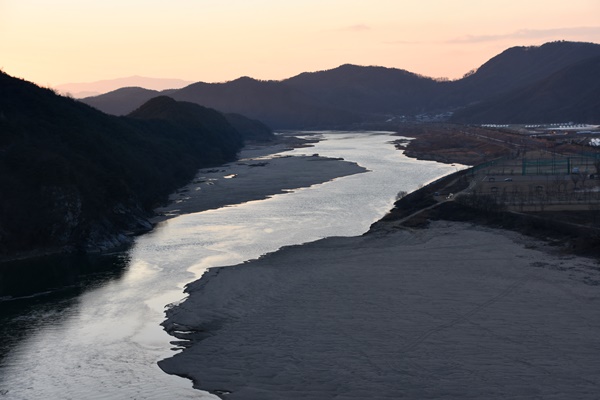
{"type": "Point", "coordinates": [431, 203]}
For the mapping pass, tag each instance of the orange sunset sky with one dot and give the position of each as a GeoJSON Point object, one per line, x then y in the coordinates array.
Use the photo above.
{"type": "Point", "coordinates": [62, 41]}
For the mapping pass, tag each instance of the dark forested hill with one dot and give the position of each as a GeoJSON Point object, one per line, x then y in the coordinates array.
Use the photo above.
{"type": "Point", "coordinates": [571, 94]}
{"type": "Point", "coordinates": [275, 103]}
{"type": "Point", "coordinates": [123, 101]}
{"type": "Point", "coordinates": [517, 67]}
{"type": "Point", "coordinates": [190, 120]}
{"type": "Point", "coordinates": [376, 90]}
{"type": "Point", "coordinates": [73, 176]}
{"type": "Point", "coordinates": [126, 100]}
{"type": "Point", "coordinates": [250, 129]}
{"type": "Point", "coordinates": [352, 94]}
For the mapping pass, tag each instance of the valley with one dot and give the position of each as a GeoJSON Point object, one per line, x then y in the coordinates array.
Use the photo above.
{"type": "Point", "coordinates": [354, 232]}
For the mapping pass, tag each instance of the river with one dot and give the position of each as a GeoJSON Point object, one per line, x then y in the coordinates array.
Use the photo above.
{"type": "Point", "coordinates": [100, 338]}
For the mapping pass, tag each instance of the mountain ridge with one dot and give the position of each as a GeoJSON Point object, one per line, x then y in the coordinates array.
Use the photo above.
{"type": "Point", "coordinates": [350, 95]}
{"type": "Point", "coordinates": [75, 178]}
{"type": "Point", "coordinates": [570, 94]}
{"type": "Point", "coordinates": [99, 87]}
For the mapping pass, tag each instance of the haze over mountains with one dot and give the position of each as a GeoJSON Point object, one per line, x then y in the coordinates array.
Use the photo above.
{"type": "Point", "coordinates": [86, 89]}
{"type": "Point", "coordinates": [350, 95]}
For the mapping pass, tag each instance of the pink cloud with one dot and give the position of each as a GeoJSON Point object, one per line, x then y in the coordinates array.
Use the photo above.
{"type": "Point", "coordinates": [591, 32]}
{"type": "Point", "coordinates": [356, 28]}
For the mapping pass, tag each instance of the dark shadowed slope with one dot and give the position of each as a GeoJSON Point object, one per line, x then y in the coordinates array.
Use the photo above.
{"type": "Point", "coordinates": [250, 129]}
{"type": "Point", "coordinates": [379, 90]}
{"type": "Point", "coordinates": [351, 94]}
{"type": "Point", "coordinates": [126, 100]}
{"type": "Point", "coordinates": [192, 121]}
{"type": "Point", "coordinates": [521, 66]}
{"type": "Point", "coordinates": [188, 115]}
{"type": "Point", "coordinates": [123, 101]}
{"type": "Point", "coordinates": [571, 94]}
{"type": "Point", "coordinates": [375, 90]}
{"type": "Point", "coordinates": [73, 177]}
{"type": "Point", "coordinates": [275, 103]}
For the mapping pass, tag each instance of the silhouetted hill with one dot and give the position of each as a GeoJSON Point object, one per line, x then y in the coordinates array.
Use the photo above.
{"type": "Point", "coordinates": [517, 67]}
{"type": "Point", "coordinates": [250, 129]}
{"type": "Point", "coordinates": [73, 176]}
{"type": "Point", "coordinates": [571, 94]}
{"type": "Point", "coordinates": [350, 94]}
{"type": "Point", "coordinates": [376, 90]}
{"type": "Point", "coordinates": [123, 101]}
{"type": "Point", "coordinates": [190, 120]}
{"type": "Point", "coordinates": [275, 103]}
{"type": "Point", "coordinates": [187, 115]}
{"type": "Point", "coordinates": [127, 100]}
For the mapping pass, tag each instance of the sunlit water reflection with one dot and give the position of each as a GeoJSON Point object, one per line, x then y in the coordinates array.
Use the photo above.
{"type": "Point", "coordinates": [104, 343]}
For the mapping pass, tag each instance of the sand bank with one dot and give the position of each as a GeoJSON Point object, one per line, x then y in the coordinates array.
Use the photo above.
{"type": "Point", "coordinates": [257, 175]}
{"type": "Point", "coordinates": [455, 311]}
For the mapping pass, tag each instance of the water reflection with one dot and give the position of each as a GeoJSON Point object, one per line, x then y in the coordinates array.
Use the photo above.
{"type": "Point", "coordinates": [36, 276]}
{"type": "Point", "coordinates": [44, 290]}
{"type": "Point", "coordinates": [99, 336]}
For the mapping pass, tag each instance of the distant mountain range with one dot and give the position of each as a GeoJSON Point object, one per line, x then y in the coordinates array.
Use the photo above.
{"type": "Point", "coordinates": [350, 95]}
{"type": "Point", "coordinates": [87, 89]}
{"type": "Point", "coordinates": [72, 176]}
{"type": "Point", "coordinates": [570, 94]}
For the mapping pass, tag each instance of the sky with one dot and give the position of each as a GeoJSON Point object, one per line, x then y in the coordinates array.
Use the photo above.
{"type": "Point", "coordinates": [64, 41]}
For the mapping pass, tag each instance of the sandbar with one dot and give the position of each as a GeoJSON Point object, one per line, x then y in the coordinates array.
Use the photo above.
{"type": "Point", "coordinates": [256, 175]}
{"type": "Point", "coordinates": [455, 311]}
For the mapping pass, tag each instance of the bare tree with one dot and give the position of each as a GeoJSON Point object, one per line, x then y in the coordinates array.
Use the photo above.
{"type": "Point", "coordinates": [401, 194]}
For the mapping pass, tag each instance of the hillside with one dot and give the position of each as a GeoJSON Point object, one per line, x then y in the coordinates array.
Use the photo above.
{"type": "Point", "coordinates": [73, 177]}
{"type": "Point", "coordinates": [570, 94]}
{"type": "Point", "coordinates": [518, 67]}
{"type": "Point", "coordinates": [126, 100]}
{"type": "Point", "coordinates": [275, 103]}
{"type": "Point", "coordinates": [375, 90]}
{"type": "Point", "coordinates": [122, 101]}
{"type": "Point", "coordinates": [349, 95]}
{"type": "Point", "coordinates": [270, 102]}
{"type": "Point", "coordinates": [250, 129]}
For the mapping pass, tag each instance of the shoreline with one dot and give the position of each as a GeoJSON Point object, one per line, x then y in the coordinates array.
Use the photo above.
{"type": "Point", "coordinates": [253, 150]}
{"type": "Point", "coordinates": [260, 172]}
{"type": "Point", "coordinates": [396, 312]}
{"type": "Point", "coordinates": [252, 153]}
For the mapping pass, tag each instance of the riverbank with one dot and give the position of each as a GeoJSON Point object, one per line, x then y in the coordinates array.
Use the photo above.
{"type": "Point", "coordinates": [254, 175]}
{"type": "Point", "coordinates": [258, 173]}
{"type": "Point", "coordinates": [456, 310]}
{"type": "Point", "coordinates": [453, 311]}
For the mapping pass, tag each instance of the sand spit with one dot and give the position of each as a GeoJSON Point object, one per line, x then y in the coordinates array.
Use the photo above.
{"type": "Point", "coordinates": [255, 176]}
{"type": "Point", "coordinates": [455, 311]}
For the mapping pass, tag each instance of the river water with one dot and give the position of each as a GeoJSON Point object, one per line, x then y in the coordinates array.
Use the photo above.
{"type": "Point", "coordinates": [100, 338]}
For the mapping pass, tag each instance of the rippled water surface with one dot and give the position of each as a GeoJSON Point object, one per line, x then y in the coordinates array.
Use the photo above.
{"type": "Point", "coordinates": [100, 338]}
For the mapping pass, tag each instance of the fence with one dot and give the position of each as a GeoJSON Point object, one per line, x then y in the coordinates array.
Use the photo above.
{"type": "Point", "coordinates": [558, 165]}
